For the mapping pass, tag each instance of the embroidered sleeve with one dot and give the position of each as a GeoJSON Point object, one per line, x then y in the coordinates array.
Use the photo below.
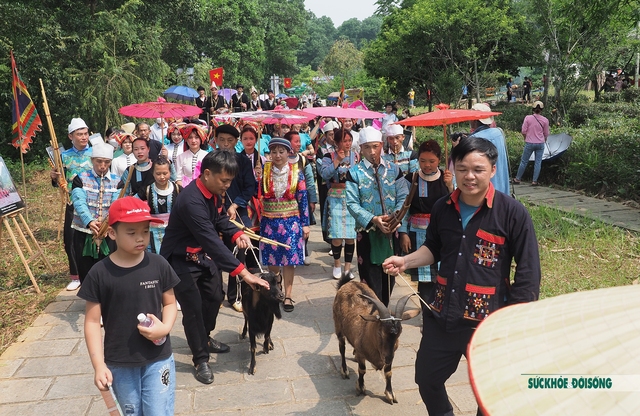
{"type": "Point", "coordinates": [302, 198]}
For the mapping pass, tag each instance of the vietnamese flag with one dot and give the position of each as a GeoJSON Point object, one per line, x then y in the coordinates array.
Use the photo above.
{"type": "Point", "coordinates": [287, 82]}
{"type": "Point", "coordinates": [216, 75]}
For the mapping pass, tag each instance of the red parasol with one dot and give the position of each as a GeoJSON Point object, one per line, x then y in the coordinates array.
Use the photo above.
{"type": "Point", "coordinates": [292, 102]}
{"type": "Point", "coordinates": [444, 118]}
{"type": "Point", "coordinates": [340, 112]}
{"type": "Point", "coordinates": [160, 109]}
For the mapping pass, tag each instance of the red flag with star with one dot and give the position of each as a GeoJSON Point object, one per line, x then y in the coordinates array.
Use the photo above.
{"type": "Point", "coordinates": [24, 116]}
{"type": "Point", "coordinates": [217, 75]}
{"type": "Point", "coordinates": [287, 82]}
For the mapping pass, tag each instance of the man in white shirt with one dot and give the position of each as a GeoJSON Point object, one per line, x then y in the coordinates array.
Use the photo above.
{"type": "Point", "coordinates": [159, 130]}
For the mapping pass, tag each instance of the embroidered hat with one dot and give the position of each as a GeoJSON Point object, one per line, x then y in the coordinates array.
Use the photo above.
{"type": "Point", "coordinates": [121, 137]}
{"type": "Point", "coordinates": [188, 128]}
{"type": "Point", "coordinates": [77, 123]}
{"type": "Point", "coordinates": [330, 126]}
{"type": "Point", "coordinates": [483, 107]}
{"type": "Point", "coordinates": [213, 85]}
{"type": "Point", "coordinates": [539, 104]}
{"type": "Point", "coordinates": [174, 126]}
{"type": "Point", "coordinates": [394, 130]}
{"type": "Point", "coordinates": [130, 209]}
{"type": "Point", "coordinates": [102, 150]}
{"type": "Point", "coordinates": [279, 141]}
{"type": "Point", "coordinates": [370, 135]}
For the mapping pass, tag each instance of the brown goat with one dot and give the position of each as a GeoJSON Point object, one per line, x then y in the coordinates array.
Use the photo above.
{"type": "Point", "coordinates": [374, 336]}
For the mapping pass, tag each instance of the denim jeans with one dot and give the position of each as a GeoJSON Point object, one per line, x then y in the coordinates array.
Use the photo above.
{"type": "Point", "coordinates": [529, 148]}
{"type": "Point", "coordinates": [146, 390]}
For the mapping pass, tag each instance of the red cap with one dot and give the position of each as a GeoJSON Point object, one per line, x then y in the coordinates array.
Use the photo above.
{"type": "Point", "coordinates": [130, 209]}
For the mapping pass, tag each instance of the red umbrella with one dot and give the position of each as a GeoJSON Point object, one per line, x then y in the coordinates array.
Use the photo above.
{"type": "Point", "coordinates": [160, 109]}
{"type": "Point", "coordinates": [292, 102]}
{"type": "Point", "coordinates": [340, 112]}
{"type": "Point", "coordinates": [444, 118]}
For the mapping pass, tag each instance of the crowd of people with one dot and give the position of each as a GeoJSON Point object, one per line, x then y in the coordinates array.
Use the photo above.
{"type": "Point", "coordinates": [169, 207]}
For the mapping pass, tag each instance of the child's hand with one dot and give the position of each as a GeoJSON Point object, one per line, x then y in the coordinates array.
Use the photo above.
{"type": "Point", "coordinates": [102, 377]}
{"type": "Point", "coordinates": [305, 232]}
{"type": "Point", "coordinates": [156, 331]}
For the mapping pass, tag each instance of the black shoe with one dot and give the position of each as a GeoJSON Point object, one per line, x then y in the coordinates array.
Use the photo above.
{"type": "Point", "coordinates": [204, 374]}
{"type": "Point", "coordinates": [218, 347]}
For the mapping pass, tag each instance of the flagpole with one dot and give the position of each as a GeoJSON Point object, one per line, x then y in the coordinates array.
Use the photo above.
{"type": "Point", "coordinates": [57, 159]}
{"type": "Point", "coordinates": [14, 71]}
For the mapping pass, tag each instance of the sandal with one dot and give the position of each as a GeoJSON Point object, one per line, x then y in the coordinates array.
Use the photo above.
{"type": "Point", "coordinates": [515, 181]}
{"type": "Point", "coordinates": [289, 307]}
{"type": "Point", "coordinates": [535, 184]}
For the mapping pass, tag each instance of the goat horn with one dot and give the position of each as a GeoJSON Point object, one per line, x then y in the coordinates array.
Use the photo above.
{"type": "Point", "coordinates": [402, 302]}
{"type": "Point", "coordinates": [384, 312]}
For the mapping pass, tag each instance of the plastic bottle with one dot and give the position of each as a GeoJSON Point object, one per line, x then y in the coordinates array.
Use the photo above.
{"type": "Point", "coordinates": [148, 322]}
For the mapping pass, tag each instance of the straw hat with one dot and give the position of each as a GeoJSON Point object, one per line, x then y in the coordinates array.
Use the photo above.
{"type": "Point", "coordinates": [576, 337]}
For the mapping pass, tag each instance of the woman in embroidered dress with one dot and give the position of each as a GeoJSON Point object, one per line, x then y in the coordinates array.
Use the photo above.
{"type": "Point", "coordinates": [176, 147]}
{"type": "Point", "coordinates": [433, 184]}
{"type": "Point", "coordinates": [160, 197]}
{"type": "Point", "coordinates": [195, 138]}
{"type": "Point", "coordinates": [339, 223]}
{"type": "Point", "coordinates": [286, 214]}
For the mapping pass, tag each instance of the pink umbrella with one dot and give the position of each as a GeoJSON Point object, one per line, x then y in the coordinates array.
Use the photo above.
{"type": "Point", "coordinates": [339, 112]}
{"type": "Point", "coordinates": [160, 109]}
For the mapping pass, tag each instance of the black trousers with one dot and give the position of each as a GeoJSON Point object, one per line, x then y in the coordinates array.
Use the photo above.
{"type": "Point", "coordinates": [437, 359]}
{"type": "Point", "coordinates": [85, 263]}
{"type": "Point", "coordinates": [67, 239]}
{"type": "Point", "coordinates": [200, 295]}
{"type": "Point", "coordinates": [380, 282]}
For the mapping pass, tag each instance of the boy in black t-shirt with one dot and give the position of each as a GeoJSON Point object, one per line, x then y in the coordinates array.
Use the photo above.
{"type": "Point", "coordinates": [129, 282]}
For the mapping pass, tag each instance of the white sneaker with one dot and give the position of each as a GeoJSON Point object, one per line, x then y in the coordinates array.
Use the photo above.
{"type": "Point", "coordinates": [178, 306]}
{"type": "Point", "coordinates": [307, 261]}
{"type": "Point", "coordinates": [74, 284]}
{"type": "Point", "coordinates": [351, 276]}
{"type": "Point", "coordinates": [331, 252]}
{"type": "Point", "coordinates": [337, 272]}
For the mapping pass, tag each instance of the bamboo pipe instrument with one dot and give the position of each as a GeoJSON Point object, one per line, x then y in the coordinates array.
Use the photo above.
{"type": "Point", "coordinates": [255, 236]}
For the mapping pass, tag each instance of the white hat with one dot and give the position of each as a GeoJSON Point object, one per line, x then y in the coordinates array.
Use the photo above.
{"type": "Point", "coordinates": [394, 130]}
{"type": "Point", "coordinates": [128, 127]}
{"type": "Point", "coordinates": [330, 126]}
{"type": "Point", "coordinates": [370, 135]}
{"type": "Point", "coordinates": [213, 85]}
{"type": "Point", "coordinates": [102, 150]}
{"type": "Point", "coordinates": [77, 123]}
{"type": "Point", "coordinates": [483, 107]}
{"type": "Point", "coordinates": [538, 104]}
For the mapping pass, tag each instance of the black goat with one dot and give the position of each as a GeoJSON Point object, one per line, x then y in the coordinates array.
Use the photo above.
{"type": "Point", "coordinates": [259, 308]}
{"type": "Point", "coordinates": [374, 337]}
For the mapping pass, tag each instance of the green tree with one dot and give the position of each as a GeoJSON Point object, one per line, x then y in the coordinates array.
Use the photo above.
{"type": "Point", "coordinates": [581, 38]}
{"type": "Point", "coordinates": [321, 35]}
{"type": "Point", "coordinates": [428, 39]}
{"type": "Point", "coordinates": [343, 60]}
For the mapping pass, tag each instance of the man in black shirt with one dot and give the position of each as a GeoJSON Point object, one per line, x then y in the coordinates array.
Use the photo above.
{"type": "Point", "coordinates": [475, 234]}
{"type": "Point", "coordinates": [216, 103]}
{"type": "Point", "coordinates": [239, 100]}
{"type": "Point", "coordinates": [191, 243]}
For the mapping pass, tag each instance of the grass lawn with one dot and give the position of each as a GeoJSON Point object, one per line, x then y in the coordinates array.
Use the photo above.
{"type": "Point", "coordinates": [576, 254]}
